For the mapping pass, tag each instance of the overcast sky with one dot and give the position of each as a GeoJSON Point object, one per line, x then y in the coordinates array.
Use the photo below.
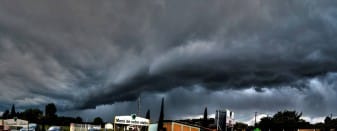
{"type": "Point", "coordinates": [95, 58]}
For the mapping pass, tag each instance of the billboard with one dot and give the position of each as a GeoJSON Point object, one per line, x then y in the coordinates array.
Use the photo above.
{"type": "Point", "coordinates": [132, 120]}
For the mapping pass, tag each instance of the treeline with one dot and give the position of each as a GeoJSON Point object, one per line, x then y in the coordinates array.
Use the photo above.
{"type": "Point", "coordinates": [291, 121]}
{"type": "Point", "coordinates": [281, 121]}
{"type": "Point", "coordinates": [48, 117]}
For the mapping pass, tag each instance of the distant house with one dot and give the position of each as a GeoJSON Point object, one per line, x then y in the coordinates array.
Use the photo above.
{"type": "Point", "coordinates": [176, 126]}
{"type": "Point", "coordinates": [13, 124]}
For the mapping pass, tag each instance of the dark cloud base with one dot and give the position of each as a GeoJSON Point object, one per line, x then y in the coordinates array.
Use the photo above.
{"type": "Point", "coordinates": [314, 101]}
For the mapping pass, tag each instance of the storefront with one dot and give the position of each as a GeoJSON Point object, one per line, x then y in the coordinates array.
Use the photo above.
{"type": "Point", "coordinates": [131, 123]}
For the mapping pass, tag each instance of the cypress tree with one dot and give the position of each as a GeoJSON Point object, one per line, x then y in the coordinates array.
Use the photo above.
{"type": "Point", "coordinates": [13, 113]}
{"type": "Point", "coordinates": [204, 121]}
{"type": "Point", "coordinates": [147, 116]}
{"type": "Point", "coordinates": [161, 116]}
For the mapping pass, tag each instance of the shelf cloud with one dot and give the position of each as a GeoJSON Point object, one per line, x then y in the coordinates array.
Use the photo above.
{"type": "Point", "coordinates": [82, 55]}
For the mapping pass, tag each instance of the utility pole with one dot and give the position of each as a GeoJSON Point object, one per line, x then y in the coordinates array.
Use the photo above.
{"type": "Point", "coordinates": [255, 118]}
{"type": "Point", "coordinates": [217, 120]}
{"type": "Point", "coordinates": [138, 110]}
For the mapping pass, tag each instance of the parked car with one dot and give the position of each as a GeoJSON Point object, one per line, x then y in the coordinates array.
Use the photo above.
{"type": "Point", "coordinates": [54, 128]}
{"type": "Point", "coordinates": [31, 127]}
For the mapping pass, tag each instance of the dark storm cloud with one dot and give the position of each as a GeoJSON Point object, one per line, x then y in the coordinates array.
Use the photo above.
{"type": "Point", "coordinates": [314, 101]}
{"type": "Point", "coordinates": [89, 53]}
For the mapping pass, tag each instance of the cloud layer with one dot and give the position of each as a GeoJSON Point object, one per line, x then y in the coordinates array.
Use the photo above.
{"type": "Point", "coordinates": [316, 102]}
{"type": "Point", "coordinates": [84, 54]}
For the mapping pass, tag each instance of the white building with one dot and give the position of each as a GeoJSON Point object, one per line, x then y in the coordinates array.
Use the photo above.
{"type": "Point", "coordinates": [224, 120]}
{"type": "Point", "coordinates": [130, 123]}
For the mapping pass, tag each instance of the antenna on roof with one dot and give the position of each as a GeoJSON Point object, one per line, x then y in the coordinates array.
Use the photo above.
{"type": "Point", "coordinates": [138, 110]}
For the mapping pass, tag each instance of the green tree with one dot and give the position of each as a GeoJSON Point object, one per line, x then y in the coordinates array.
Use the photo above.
{"type": "Point", "coordinates": [289, 120]}
{"type": "Point", "coordinates": [240, 126]}
{"type": "Point", "coordinates": [50, 110]}
{"type": "Point", "coordinates": [78, 120]}
{"type": "Point", "coordinates": [6, 114]}
{"type": "Point", "coordinates": [161, 116]}
{"type": "Point", "coordinates": [50, 113]}
{"type": "Point", "coordinates": [98, 121]}
{"type": "Point", "coordinates": [327, 120]}
{"type": "Point", "coordinates": [286, 115]}
{"type": "Point", "coordinates": [32, 115]}
{"type": "Point", "coordinates": [266, 123]}
{"type": "Point", "coordinates": [284, 120]}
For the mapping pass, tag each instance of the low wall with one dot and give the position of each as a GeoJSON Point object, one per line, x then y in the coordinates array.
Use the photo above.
{"type": "Point", "coordinates": [83, 127]}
